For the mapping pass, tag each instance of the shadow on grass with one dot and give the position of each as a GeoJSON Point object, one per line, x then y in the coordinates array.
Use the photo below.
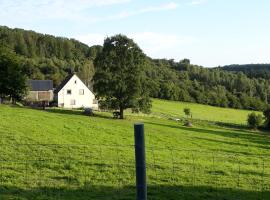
{"type": "Point", "coordinates": [159, 192]}
{"type": "Point", "coordinates": [64, 111]}
{"type": "Point", "coordinates": [232, 126]}
{"type": "Point", "coordinates": [258, 139]}
{"type": "Point", "coordinates": [76, 112]}
{"type": "Point", "coordinates": [243, 128]}
{"type": "Point", "coordinates": [232, 143]}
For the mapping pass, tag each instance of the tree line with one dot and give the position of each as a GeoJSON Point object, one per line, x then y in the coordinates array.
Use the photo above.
{"type": "Point", "coordinates": [251, 70]}
{"type": "Point", "coordinates": [47, 57]}
{"type": "Point", "coordinates": [183, 81]}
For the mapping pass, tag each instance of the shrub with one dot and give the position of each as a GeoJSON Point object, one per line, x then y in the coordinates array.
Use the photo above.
{"type": "Point", "coordinates": [266, 114]}
{"type": "Point", "coordinates": [254, 120]}
{"type": "Point", "coordinates": [187, 112]}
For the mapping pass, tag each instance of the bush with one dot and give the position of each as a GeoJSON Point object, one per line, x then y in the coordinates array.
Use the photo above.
{"type": "Point", "coordinates": [266, 114]}
{"type": "Point", "coordinates": [254, 120]}
{"type": "Point", "coordinates": [187, 112]}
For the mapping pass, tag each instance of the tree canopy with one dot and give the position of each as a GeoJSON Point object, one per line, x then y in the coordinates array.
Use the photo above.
{"type": "Point", "coordinates": [119, 77]}
{"type": "Point", "coordinates": [12, 78]}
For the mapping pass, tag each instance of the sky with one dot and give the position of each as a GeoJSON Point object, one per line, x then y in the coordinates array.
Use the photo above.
{"type": "Point", "coordinates": [208, 32]}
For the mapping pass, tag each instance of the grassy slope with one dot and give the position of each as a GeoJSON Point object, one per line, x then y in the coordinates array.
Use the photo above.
{"type": "Point", "coordinates": [205, 161]}
{"type": "Point", "coordinates": [203, 112]}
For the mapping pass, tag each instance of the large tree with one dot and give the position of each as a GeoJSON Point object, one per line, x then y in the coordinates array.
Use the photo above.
{"type": "Point", "coordinates": [12, 78]}
{"type": "Point", "coordinates": [120, 77]}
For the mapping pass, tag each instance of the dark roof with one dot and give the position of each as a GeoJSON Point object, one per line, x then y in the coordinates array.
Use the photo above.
{"type": "Point", "coordinates": [40, 85]}
{"type": "Point", "coordinates": [63, 83]}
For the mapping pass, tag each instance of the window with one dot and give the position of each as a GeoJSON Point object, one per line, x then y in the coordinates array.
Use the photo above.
{"type": "Point", "coordinates": [68, 91]}
{"type": "Point", "coordinates": [72, 102]}
{"type": "Point", "coordinates": [81, 92]}
{"type": "Point", "coordinates": [75, 81]}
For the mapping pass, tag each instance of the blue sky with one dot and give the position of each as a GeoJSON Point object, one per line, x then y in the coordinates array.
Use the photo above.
{"type": "Point", "coordinates": [208, 32]}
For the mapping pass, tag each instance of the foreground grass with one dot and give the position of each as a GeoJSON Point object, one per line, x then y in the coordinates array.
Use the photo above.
{"type": "Point", "coordinates": [58, 154]}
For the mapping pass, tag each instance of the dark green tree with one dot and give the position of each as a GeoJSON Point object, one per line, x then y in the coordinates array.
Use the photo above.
{"type": "Point", "coordinates": [254, 120]}
{"type": "Point", "coordinates": [12, 78]}
{"type": "Point", "coordinates": [119, 77]}
{"type": "Point", "coordinates": [187, 112]}
{"type": "Point", "coordinates": [266, 114]}
{"type": "Point", "coordinates": [184, 64]}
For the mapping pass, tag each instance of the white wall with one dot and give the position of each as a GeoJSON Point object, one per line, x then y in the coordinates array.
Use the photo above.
{"type": "Point", "coordinates": [75, 85]}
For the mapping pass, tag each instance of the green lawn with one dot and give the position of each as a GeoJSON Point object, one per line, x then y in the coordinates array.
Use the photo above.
{"type": "Point", "coordinates": [58, 154]}
{"type": "Point", "coordinates": [202, 112]}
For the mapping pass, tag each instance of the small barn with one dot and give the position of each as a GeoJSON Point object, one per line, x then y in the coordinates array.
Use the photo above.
{"type": "Point", "coordinates": [40, 91]}
{"type": "Point", "coordinates": [73, 93]}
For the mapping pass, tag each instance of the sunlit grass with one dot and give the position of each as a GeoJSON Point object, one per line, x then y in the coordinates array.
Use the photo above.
{"type": "Point", "coordinates": [72, 156]}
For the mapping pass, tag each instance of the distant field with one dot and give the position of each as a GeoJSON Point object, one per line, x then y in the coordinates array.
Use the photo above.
{"type": "Point", "coordinates": [203, 112]}
{"type": "Point", "coordinates": [63, 155]}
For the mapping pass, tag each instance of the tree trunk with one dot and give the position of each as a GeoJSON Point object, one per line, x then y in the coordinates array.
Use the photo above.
{"type": "Point", "coordinates": [43, 105]}
{"type": "Point", "coordinates": [121, 113]}
{"type": "Point", "coordinates": [12, 100]}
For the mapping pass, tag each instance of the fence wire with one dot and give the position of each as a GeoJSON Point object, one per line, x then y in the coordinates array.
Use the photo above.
{"type": "Point", "coordinates": [91, 171]}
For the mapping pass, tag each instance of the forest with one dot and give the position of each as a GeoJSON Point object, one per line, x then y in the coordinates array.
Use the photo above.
{"type": "Point", "coordinates": [48, 57]}
{"type": "Point", "coordinates": [251, 70]}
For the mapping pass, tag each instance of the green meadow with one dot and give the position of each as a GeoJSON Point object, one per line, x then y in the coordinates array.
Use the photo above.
{"type": "Point", "coordinates": [201, 112]}
{"type": "Point", "coordinates": [62, 154]}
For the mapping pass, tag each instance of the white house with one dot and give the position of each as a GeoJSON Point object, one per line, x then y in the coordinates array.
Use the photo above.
{"type": "Point", "coordinates": [73, 93]}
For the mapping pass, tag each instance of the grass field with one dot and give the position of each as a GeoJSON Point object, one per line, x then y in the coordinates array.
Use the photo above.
{"type": "Point", "coordinates": [61, 154]}
{"type": "Point", "coordinates": [202, 112]}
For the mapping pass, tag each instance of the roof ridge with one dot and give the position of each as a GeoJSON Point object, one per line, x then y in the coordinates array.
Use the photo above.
{"type": "Point", "coordinates": [63, 83]}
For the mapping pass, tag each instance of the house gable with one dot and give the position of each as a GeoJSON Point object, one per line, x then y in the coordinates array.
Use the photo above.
{"type": "Point", "coordinates": [73, 93]}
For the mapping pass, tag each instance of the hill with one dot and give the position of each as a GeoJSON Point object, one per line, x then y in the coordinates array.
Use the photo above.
{"type": "Point", "coordinates": [251, 70]}
{"type": "Point", "coordinates": [200, 112]}
{"type": "Point", "coordinates": [48, 57]}
{"type": "Point", "coordinates": [65, 155]}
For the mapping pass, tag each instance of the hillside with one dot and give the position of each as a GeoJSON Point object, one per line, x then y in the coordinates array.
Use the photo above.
{"type": "Point", "coordinates": [200, 112]}
{"type": "Point", "coordinates": [65, 155]}
{"type": "Point", "coordinates": [48, 57]}
{"type": "Point", "coordinates": [251, 70]}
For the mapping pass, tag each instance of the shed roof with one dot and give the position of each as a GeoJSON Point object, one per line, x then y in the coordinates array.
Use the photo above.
{"type": "Point", "coordinates": [40, 85]}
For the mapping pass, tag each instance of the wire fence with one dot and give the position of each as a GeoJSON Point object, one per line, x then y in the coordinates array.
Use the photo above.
{"type": "Point", "coordinates": [91, 171]}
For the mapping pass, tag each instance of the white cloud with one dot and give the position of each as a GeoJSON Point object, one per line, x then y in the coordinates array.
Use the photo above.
{"type": "Point", "coordinates": [51, 9]}
{"type": "Point", "coordinates": [126, 14]}
{"type": "Point", "coordinates": [91, 39]}
{"type": "Point", "coordinates": [167, 6]}
{"type": "Point", "coordinates": [106, 2]}
{"type": "Point", "coordinates": [156, 45]}
{"type": "Point", "coordinates": [197, 2]}
{"type": "Point", "coordinates": [64, 3]}
{"type": "Point", "coordinates": [71, 10]}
